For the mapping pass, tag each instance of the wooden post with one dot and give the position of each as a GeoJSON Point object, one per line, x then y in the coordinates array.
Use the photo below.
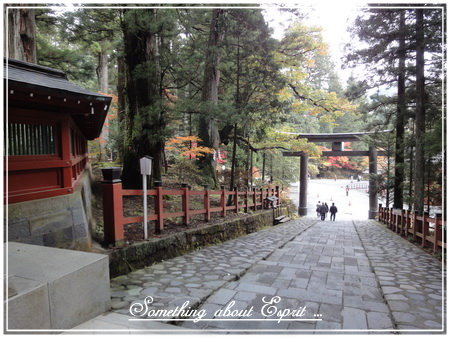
{"type": "Point", "coordinates": [236, 200]}
{"type": "Point", "coordinates": [391, 216]}
{"type": "Point", "coordinates": [407, 222]}
{"type": "Point", "coordinates": [437, 233]}
{"type": "Point", "coordinates": [403, 223]}
{"type": "Point", "coordinates": [262, 199]}
{"type": "Point", "coordinates": [425, 229]}
{"type": "Point", "coordinates": [206, 204]}
{"type": "Point", "coordinates": [66, 154]}
{"type": "Point", "coordinates": [159, 207]}
{"type": "Point", "coordinates": [113, 212]}
{"type": "Point", "coordinates": [246, 200]}
{"type": "Point", "coordinates": [254, 198]}
{"type": "Point", "coordinates": [415, 225]}
{"type": "Point", "coordinates": [185, 201]}
{"type": "Point", "coordinates": [223, 200]}
{"type": "Point", "coordinates": [277, 195]}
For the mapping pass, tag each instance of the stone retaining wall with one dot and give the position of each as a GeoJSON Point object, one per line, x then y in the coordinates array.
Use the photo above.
{"type": "Point", "coordinates": [62, 221]}
{"type": "Point", "coordinates": [139, 255]}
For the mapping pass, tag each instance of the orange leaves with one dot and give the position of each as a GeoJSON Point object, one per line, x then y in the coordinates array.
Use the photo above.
{"type": "Point", "coordinates": [187, 146]}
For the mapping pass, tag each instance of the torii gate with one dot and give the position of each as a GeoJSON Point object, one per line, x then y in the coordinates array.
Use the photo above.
{"type": "Point", "coordinates": [337, 140]}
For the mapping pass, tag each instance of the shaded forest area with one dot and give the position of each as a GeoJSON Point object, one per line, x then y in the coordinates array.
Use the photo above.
{"type": "Point", "coordinates": [213, 97]}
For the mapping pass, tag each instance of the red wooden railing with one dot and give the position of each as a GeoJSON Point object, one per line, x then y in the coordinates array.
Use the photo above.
{"type": "Point", "coordinates": [114, 219]}
{"type": "Point", "coordinates": [428, 231]}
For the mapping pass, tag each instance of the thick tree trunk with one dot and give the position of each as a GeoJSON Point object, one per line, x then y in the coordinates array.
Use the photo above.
{"type": "Point", "coordinates": [22, 34]}
{"type": "Point", "coordinates": [399, 175]}
{"type": "Point", "coordinates": [419, 181]}
{"type": "Point", "coordinates": [144, 108]}
{"type": "Point", "coordinates": [208, 131]}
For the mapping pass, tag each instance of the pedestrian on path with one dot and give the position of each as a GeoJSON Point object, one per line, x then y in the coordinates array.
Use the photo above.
{"type": "Point", "coordinates": [318, 208]}
{"type": "Point", "coordinates": [326, 210]}
{"type": "Point", "coordinates": [346, 190]}
{"type": "Point", "coordinates": [323, 211]}
{"type": "Point", "coordinates": [333, 211]}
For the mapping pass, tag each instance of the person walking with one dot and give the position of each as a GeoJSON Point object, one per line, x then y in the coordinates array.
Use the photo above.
{"type": "Point", "coordinates": [333, 211]}
{"type": "Point", "coordinates": [326, 210]}
{"type": "Point", "coordinates": [346, 190]}
{"type": "Point", "coordinates": [318, 208]}
{"type": "Point", "coordinates": [323, 211]}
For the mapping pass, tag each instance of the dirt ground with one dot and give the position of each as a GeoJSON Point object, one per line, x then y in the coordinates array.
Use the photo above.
{"type": "Point", "coordinates": [133, 207]}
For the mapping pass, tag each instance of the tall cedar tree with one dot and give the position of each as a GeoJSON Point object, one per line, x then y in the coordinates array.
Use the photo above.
{"type": "Point", "coordinates": [208, 131]}
{"type": "Point", "coordinates": [22, 34]}
{"type": "Point", "coordinates": [144, 108]}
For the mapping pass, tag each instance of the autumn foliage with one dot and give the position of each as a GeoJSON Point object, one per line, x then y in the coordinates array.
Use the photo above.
{"type": "Point", "coordinates": [187, 146]}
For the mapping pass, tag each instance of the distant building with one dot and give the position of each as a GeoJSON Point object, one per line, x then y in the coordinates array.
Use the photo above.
{"type": "Point", "coordinates": [49, 121]}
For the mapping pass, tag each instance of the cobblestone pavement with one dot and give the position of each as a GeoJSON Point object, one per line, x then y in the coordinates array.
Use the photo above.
{"type": "Point", "coordinates": [326, 270]}
{"type": "Point", "coordinates": [194, 276]}
{"type": "Point", "coordinates": [345, 275]}
{"type": "Point", "coordinates": [411, 280]}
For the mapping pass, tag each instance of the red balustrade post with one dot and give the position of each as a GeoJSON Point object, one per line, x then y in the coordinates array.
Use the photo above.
{"type": "Point", "coordinates": [206, 204]}
{"type": "Point", "coordinates": [277, 195]}
{"type": "Point", "coordinates": [425, 229]}
{"type": "Point", "coordinates": [246, 200]}
{"type": "Point", "coordinates": [437, 233]}
{"type": "Point", "coordinates": [262, 198]}
{"type": "Point", "coordinates": [223, 201]}
{"type": "Point", "coordinates": [185, 202]}
{"type": "Point", "coordinates": [254, 199]}
{"type": "Point", "coordinates": [112, 207]}
{"type": "Point", "coordinates": [402, 223]}
{"type": "Point", "coordinates": [159, 207]}
{"type": "Point", "coordinates": [415, 225]}
{"type": "Point", "coordinates": [391, 224]}
{"type": "Point", "coordinates": [407, 222]}
{"type": "Point", "coordinates": [236, 200]}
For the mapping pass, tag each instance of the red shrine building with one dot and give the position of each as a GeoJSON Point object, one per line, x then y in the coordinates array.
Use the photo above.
{"type": "Point", "coordinates": [48, 180]}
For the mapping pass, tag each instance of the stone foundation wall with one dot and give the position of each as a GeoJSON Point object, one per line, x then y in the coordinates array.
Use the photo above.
{"type": "Point", "coordinates": [61, 221]}
{"type": "Point", "coordinates": [139, 255]}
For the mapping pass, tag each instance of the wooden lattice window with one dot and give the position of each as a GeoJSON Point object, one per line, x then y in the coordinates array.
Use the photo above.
{"type": "Point", "coordinates": [31, 139]}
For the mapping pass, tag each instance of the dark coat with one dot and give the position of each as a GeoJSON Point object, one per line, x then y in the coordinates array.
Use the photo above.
{"type": "Point", "coordinates": [333, 209]}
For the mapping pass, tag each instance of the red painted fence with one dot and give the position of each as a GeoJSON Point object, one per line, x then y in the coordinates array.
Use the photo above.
{"type": "Point", "coordinates": [114, 220]}
{"type": "Point", "coordinates": [428, 231]}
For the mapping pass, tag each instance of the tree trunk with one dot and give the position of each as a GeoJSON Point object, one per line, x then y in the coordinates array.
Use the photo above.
{"type": "Point", "coordinates": [144, 109]}
{"type": "Point", "coordinates": [399, 175]}
{"type": "Point", "coordinates": [419, 181]}
{"type": "Point", "coordinates": [22, 34]}
{"type": "Point", "coordinates": [102, 70]}
{"type": "Point", "coordinates": [121, 107]}
{"type": "Point", "coordinates": [208, 131]}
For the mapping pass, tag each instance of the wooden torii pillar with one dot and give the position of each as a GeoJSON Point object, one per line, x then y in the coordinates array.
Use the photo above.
{"type": "Point", "coordinates": [337, 140]}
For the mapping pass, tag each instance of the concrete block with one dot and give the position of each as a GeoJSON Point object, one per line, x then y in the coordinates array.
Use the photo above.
{"type": "Point", "coordinates": [28, 308]}
{"type": "Point", "coordinates": [77, 282]}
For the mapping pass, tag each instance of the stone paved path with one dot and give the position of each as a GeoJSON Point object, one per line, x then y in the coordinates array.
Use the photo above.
{"type": "Point", "coordinates": [196, 275]}
{"type": "Point", "coordinates": [411, 281]}
{"type": "Point", "coordinates": [353, 276]}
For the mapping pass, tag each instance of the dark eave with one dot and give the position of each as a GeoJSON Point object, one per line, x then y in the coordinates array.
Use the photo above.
{"type": "Point", "coordinates": [37, 87]}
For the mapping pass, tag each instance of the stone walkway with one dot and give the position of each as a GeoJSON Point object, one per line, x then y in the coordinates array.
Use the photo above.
{"type": "Point", "coordinates": [195, 276]}
{"type": "Point", "coordinates": [344, 275]}
{"type": "Point", "coordinates": [411, 280]}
